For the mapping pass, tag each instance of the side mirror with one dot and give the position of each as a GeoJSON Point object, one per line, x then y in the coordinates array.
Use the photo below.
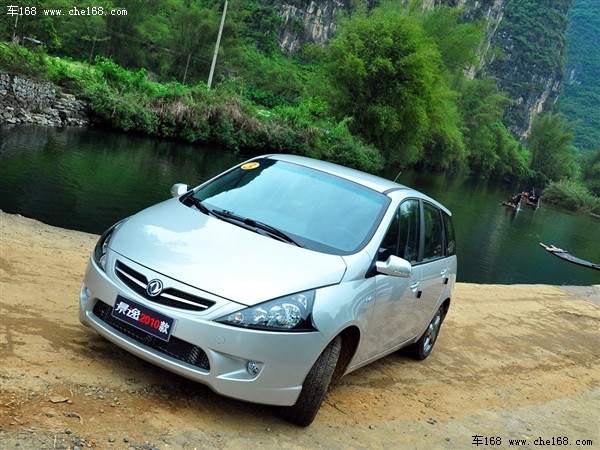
{"type": "Point", "coordinates": [395, 267]}
{"type": "Point", "coordinates": [178, 189]}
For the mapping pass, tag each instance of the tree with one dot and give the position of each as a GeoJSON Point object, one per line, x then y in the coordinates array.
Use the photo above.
{"type": "Point", "coordinates": [385, 74]}
{"type": "Point", "coordinates": [456, 40]}
{"type": "Point", "coordinates": [591, 172]}
{"type": "Point", "coordinates": [550, 145]}
{"type": "Point", "coordinates": [493, 151]}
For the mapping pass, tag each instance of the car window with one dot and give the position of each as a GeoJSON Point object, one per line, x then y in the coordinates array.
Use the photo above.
{"type": "Point", "coordinates": [409, 230]}
{"type": "Point", "coordinates": [434, 233]}
{"type": "Point", "coordinates": [402, 237]}
{"type": "Point", "coordinates": [450, 236]}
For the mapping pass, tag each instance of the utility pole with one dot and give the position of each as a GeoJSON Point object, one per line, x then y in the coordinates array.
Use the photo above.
{"type": "Point", "coordinates": [214, 61]}
{"type": "Point", "coordinates": [15, 27]}
{"type": "Point", "coordinates": [93, 47]}
{"type": "Point", "coordinates": [186, 67]}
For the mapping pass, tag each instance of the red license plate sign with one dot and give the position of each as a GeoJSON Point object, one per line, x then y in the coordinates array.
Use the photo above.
{"type": "Point", "coordinates": [143, 318]}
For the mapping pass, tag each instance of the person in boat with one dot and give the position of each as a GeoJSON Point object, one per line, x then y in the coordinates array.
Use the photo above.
{"type": "Point", "coordinates": [533, 199]}
{"type": "Point", "coordinates": [516, 200]}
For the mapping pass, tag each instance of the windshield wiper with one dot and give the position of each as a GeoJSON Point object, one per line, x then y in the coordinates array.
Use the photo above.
{"type": "Point", "coordinates": [275, 232]}
{"type": "Point", "coordinates": [201, 206]}
{"type": "Point", "coordinates": [256, 225]}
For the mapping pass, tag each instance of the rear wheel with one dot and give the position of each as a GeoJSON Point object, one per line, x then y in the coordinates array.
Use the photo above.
{"type": "Point", "coordinates": [422, 348]}
{"type": "Point", "coordinates": [314, 388]}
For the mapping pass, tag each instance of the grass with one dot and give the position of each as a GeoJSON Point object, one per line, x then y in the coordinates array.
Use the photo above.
{"type": "Point", "coordinates": [572, 195]}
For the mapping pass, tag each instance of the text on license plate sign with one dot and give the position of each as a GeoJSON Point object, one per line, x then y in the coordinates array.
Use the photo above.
{"type": "Point", "coordinates": [143, 318]}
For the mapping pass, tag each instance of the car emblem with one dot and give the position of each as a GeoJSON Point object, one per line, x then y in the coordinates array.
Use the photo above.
{"type": "Point", "coordinates": [154, 288]}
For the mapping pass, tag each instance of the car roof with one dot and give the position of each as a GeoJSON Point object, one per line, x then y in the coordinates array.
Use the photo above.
{"type": "Point", "coordinates": [374, 182]}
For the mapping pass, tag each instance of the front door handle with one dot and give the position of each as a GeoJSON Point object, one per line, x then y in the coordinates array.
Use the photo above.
{"type": "Point", "coordinates": [415, 285]}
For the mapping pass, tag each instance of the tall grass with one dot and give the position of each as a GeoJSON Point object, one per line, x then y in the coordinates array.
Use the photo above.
{"type": "Point", "coordinates": [17, 59]}
{"type": "Point", "coordinates": [573, 196]}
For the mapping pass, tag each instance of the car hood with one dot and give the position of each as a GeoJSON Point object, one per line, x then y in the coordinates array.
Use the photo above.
{"type": "Point", "coordinates": [219, 257]}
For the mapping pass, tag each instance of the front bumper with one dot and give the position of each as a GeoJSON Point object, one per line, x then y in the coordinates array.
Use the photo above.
{"type": "Point", "coordinates": [200, 349]}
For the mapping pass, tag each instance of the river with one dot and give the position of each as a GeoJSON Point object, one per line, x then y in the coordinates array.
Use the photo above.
{"type": "Point", "coordinates": [86, 179]}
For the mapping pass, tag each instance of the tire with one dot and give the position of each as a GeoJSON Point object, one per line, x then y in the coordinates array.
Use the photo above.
{"type": "Point", "coordinates": [423, 347]}
{"type": "Point", "coordinates": [315, 386]}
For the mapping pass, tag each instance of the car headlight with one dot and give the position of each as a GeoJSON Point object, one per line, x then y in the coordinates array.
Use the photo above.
{"type": "Point", "coordinates": [102, 247]}
{"type": "Point", "coordinates": [289, 313]}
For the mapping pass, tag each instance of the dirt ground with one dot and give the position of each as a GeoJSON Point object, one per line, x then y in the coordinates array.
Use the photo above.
{"type": "Point", "coordinates": [511, 362]}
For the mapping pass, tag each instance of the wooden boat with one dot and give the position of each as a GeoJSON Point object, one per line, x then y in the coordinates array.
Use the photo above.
{"type": "Point", "coordinates": [563, 254]}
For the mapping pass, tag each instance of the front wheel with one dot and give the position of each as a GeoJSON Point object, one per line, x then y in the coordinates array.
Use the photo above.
{"type": "Point", "coordinates": [422, 348]}
{"type": "Point", "coordinates": [314, 387]}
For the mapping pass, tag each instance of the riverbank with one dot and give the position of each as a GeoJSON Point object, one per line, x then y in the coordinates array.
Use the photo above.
{"type": "Point", "coordinates": [512, 362]}
{"type": "Point", "coordinates": [23, 100]}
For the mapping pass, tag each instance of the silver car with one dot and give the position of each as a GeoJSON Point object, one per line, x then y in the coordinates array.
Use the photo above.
{"type": "Point", "coordinates": [274, 278]}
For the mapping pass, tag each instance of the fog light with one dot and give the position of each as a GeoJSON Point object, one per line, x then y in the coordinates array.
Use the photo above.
{"type": "Point", "coordinates": [85, 293]}
{"type": "Point", "coordinates": [254, 368]}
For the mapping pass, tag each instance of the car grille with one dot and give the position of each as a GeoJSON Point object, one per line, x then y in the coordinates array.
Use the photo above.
{"type": "Point", "coordinates": [169, 297]}
{"type": "Point", "coordinates": [175, 348]}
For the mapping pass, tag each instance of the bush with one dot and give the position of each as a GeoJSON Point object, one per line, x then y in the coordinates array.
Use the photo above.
{"type": "Point", "coordinates": [15, 59]}
{"type": "Point", "coordinates": [573, 196]}
{"type": "Point", "coordinates": [73, 75]}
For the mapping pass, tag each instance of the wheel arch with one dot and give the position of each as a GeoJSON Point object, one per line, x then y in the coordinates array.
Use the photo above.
{"type": "Point", "coordinates": [446, 306]}
{"type": "Point", "coordinates": [350, 339]}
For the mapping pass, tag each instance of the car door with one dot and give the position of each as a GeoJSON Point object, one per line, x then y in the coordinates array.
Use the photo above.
{"type": "Point", "coordinates": [396, 298]}
{"type": "Point", "coordinates": [433, 264]}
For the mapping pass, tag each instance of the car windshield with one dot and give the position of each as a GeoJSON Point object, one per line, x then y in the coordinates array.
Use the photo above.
{"type": "Point", "coordinates": [317, 210]}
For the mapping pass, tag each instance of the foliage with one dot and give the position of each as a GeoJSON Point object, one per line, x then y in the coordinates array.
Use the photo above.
{"type": "Point", "coordinates": [127, 100]}
{"type": "Point", "coordinates": [327, 139]}
{"type": "Point", "coordinates": [550, 145]}
{"type": "Point", "coordinates": [32, 24]}
{"type": "Point", "coordinates": [493, 151]}
{"type": "Point", "coordinates": [267, 80]}
{"type": "Point", "coordinates": [70, 74]}
{"type": "Point", "coordinates": [581, 95]}
{"type": "Point", "coordinates": [532, 33]}
{"type": "Point", "coordinates": [591, 172]}
{"type": "Point", "coordinates": [571, 195]}
{"type": "Point", "coordinates": [384, 74]}
{"type": "Point", "coordinates": [456, 39]}
{"type": "Point", "coordinates": [537, 29]}
{"type": "Point", "coordinates": [389, 89]}
{"type": "Point", "coordinates": [16, 59]}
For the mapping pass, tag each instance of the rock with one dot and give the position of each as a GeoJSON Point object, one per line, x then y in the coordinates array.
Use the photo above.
{"type": "Point", "coordinates": [29, 101]}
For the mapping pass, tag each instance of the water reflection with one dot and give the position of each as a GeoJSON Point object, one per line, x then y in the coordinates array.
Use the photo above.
{"type": "Point", "coordinates": [87, 179]}
{"type": "Point", "coordinates": [497, 244]}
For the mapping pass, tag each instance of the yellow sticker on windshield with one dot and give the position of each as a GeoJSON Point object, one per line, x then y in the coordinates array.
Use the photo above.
{"type": "Point", "coordinates": [250, 165]}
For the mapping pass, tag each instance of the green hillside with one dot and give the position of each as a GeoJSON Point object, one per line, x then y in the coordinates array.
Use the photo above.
{"type": "Point", "coordinates": [580, 100]}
